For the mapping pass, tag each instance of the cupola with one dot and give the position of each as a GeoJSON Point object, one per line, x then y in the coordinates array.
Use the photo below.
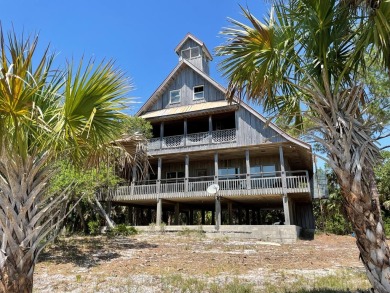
{"type": "Point", "coordinates": [194, 51]}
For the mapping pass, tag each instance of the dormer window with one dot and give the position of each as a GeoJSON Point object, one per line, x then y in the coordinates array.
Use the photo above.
{"type": "Point", "coordinates": [190, 53]}
{"type": "Point", "coordinates": [198, 92]}
{"type": "Point", "coordinates": [174, 97]}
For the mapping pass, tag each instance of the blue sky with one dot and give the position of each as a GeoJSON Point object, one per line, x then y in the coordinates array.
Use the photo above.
{"type": "Point", "coordinates": [139, 35]}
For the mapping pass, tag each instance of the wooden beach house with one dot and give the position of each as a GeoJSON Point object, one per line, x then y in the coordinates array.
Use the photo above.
{"type": "Point", "coordinates": [199, 139]}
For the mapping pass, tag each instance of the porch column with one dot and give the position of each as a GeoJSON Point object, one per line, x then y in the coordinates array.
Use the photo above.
{"type": "Point", "coordinates": [210, 129]}
{"type": "Point", "coordinates": [217, 212]}
{"type": "Point", "coordinates": [133, 178]}
{"type": "Point", "coordinates": [159, 166]}
{"type": "Point", "coordinates": [286, 206]}
{"type": "Point", "coordinates": [185, 131]}
{"type": "Point", "coordinates": [159, 212]}
{"type": "Point", "coordinates": [161, 134]}
{"type": "Point", "coordinates": [216, 168]}
{"type": "Point", "coordinates": [248, 170]}
{"type": "Point", "coordinates": [186, 172]}
{"type": "Point", "coordinates": [230, 213]}
{"type": "Point", "coordinates": [177, 213]}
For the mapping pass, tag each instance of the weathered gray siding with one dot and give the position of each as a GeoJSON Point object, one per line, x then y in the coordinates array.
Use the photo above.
{"type": "Point", "coordinates": [200, 61]}
{"type": "Point", "coordinates": [208, 165]}
{"type": "Point", "coordinates": [251, 130]}
{"type": "Point", "coordinates": [185, 82]}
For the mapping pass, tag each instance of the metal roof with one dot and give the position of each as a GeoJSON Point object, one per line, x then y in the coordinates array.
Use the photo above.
{"type": "Point", "coordinates": [188, 109]}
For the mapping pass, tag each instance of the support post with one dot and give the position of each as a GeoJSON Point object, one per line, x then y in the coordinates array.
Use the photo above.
{"type": "Point", "coordinates": [177, 213]}
{"type": "Point", "coordinates": [159, 166]}
{"type": "Point", "coordinates": [191, 217]}
{"type": "Point", "coordinates": [247, 219]}
{"type": "Point", "coordinates": [185, 132]}
{"type": "Point", "coordinates": [286, 206]}
{"type": "Point", "coordinates": [248, 170]}
{"type": "Point", "coordinates": [203, 217]}
{"type": "Point", "coordinates": [230, 213]}
{"type": "Point", "coordinates": [133, 179]}
{"type": "Point", "coordinates": [186, 172]}
{"type": "Point", "coordinates": [217, 212]}
{"type": "Point", "coordinates": [161, 134]}
{"type": "Point", "coordinates": [210, 129]}
{"type": "Point", "coordinates": [159, 212]}
{"type": "Point", "coordinates": [216, 168]}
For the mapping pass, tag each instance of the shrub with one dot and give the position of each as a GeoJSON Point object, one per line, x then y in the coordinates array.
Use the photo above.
{"type": "Point", "coordinates": [94, 227]}
{"type": "Point", "coordinates": [122, 230]}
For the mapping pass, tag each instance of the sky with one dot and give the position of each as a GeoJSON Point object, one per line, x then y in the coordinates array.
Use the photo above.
{"type": "Point", "coordinates": [139, 35]}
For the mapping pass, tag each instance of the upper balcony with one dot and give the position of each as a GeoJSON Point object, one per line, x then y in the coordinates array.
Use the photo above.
{"type": "Point", "coordinates": [216, 138]}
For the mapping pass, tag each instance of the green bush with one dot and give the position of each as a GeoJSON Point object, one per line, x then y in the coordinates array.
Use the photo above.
{"type": "Point", "coordinates": [122, 230]}
{"type": "Point", "coordinates": [94, 227]}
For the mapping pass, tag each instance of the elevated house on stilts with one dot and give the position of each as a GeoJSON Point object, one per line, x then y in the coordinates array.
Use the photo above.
{"type": "Point", "coordinates": [199, 139]}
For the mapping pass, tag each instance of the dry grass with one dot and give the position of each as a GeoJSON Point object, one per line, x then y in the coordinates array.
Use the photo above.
{"type": "Point", "coordinates": [192, 262]}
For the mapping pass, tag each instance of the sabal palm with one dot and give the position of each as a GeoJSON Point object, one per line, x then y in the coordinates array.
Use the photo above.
{"type": "Point", "coordinates": [46, 114]}
{"type": "Point", "coordinates": [306, 61]}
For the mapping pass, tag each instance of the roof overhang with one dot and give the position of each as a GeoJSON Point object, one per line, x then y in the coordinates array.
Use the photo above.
{"type": "Point", "coordinates": [190, 111]}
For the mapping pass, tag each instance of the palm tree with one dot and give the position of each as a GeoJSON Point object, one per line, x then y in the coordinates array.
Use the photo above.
{"type": "Point", "coordinates": [46, 115]}
{"type": "Point", "coordinates": [305, 63]}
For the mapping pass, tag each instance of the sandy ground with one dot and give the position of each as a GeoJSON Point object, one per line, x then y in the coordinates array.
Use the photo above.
{"type": "Point", "coordinates": [150, 262]}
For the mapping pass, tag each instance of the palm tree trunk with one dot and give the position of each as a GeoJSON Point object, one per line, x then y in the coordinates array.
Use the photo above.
{"type": "Point", "coordinates": [363, 210]}
{"type": "Point", "coordinates": [16, 279]}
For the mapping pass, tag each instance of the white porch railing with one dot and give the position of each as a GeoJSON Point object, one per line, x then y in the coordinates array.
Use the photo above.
{"type": "Point", "coordinates": [260, 184]}
{"type": "Point", "coordinates": [145, 189]}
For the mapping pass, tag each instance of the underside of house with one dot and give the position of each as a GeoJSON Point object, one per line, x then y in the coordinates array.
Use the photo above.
{"type": "Point", "coordinates": [215, 164]}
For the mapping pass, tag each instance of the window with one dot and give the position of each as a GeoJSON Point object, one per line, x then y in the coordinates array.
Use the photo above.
{"type": "Point", "coordinates": [198, 92]}
{"type": "Point", "coordinates": [228, 172]}
{"type": "Point", "coordinates": [174, 97]}
{"type": "Point", "coordinates": [263, 171]}
{"type": "Point", "coordinates": [269, 171]}
{"type": "Point", "coordinates": [190, 53]}
{"type": "Point", "coordinates": [175, 177]}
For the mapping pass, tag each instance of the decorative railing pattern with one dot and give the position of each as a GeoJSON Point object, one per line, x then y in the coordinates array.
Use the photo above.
{"type": "Point", "coordinates": [228, 135]}
{"type": "Point", "coordinates": [198, 138]}
{"type": "Point", "coordinates": [173, 141]}
{"type": "Point", "coordinates": [229, 185]}
{"type": "Point", "coordinates": [201, 138]}
{"type": "Point", "coordinates": [154, 144]}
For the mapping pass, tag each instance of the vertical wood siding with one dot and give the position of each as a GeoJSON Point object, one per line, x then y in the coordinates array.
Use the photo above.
{"type": "Point", "coordinates": [251, 130]}
{"type": "Point", "coordinates": [185, 82]}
